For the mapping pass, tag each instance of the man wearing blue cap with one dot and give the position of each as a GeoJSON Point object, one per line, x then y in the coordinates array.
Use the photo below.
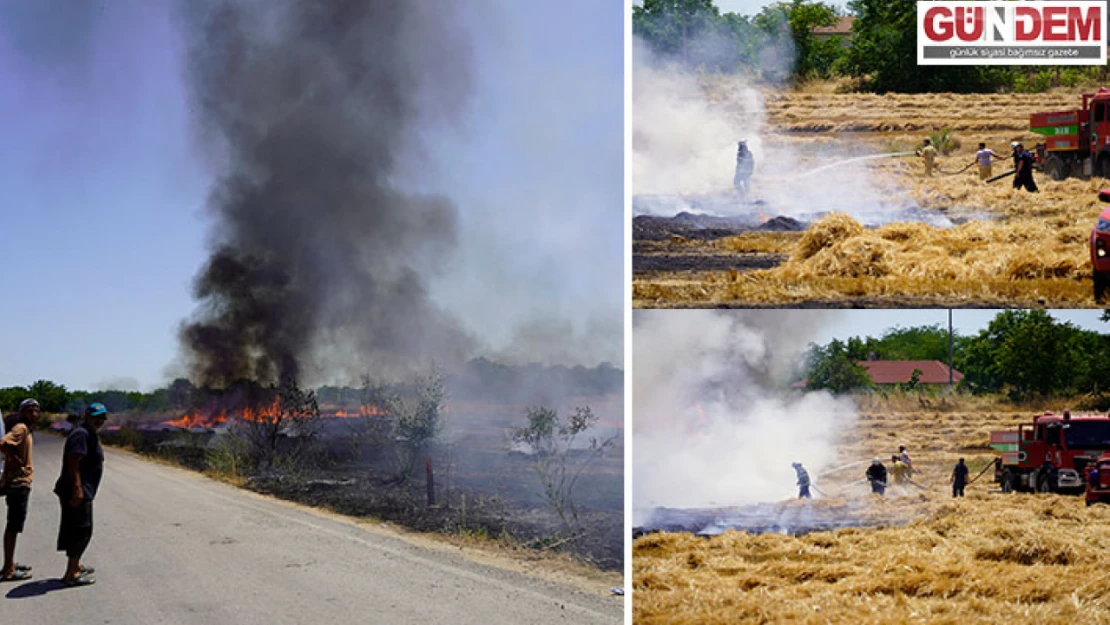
{"type": "Point", "coordinates": [82, 467]}
{"type": "Point", "coordinates": [15, 482]}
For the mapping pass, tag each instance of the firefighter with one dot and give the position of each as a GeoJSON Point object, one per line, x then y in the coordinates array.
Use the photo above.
{"type": "Point", "coordinates": [983, 158]}
{"type": "Point", "coordinates": [959, 478]}
{"type": "Point", "coordinates": [876, 474]}
{"type": "Point", "coordinates": [803, 481]}
{"type": "Point", "coordinates": [900, 470]}
{"type": "Point", "coordinates": [1023, 162]}
{"type": "Point", "coordinates": [745, 165]}
{"type": "Point", "coordinates": [904, 456]}
{"type": "Point", "coordinates": [929, 153]}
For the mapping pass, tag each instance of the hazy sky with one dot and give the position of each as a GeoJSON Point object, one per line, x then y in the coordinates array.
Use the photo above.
{"type": "Point", "coordinates": [104, 187]}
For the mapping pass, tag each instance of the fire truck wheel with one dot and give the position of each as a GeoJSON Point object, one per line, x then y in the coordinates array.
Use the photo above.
{"type": "Point", "coordinates": [1102, 167]}
{"type": "Point", "coordinates": [1007, 482]}
{"type": "Point", "coordinates": [1043, 486]}
{"type": "Point", "coordinates": [1055, 168]}
{"type": "Point", "coordinates": [1100, 285]}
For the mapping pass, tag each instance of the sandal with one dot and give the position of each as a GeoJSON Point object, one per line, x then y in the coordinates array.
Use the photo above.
{"type": "Point", "coordinates": [85, 570]}
{"type": "Point", "coordinates": [16, 576]}
{"type": "Point", "coordinates": [22, 567]}
{"type": "Point", "coordinates": [80, 580]}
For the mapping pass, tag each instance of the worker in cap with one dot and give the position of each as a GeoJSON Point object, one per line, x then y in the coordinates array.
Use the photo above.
{"type": "Point", "coordinates": [899, 470]}
{"type": "Point", "coordinates": [929, 153]}
{"type": "Point", "coordinates": [745, 165]}
{"type": "Point", "coordinates": [904, 456]}
{"type": "Point", "coordinates": [1023, 163]}
{"type": "Point", "coordinates": [876, 474]}
{"type": "Point", "coordinates": [76, 488]}
{"type": "Point", "coordinates": [803, 481]}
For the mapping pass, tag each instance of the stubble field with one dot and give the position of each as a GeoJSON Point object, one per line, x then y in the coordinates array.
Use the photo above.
{"type": "Point", "coordinates": [987, 558]}
{"type": "Point", "coordinates": [961, 243]}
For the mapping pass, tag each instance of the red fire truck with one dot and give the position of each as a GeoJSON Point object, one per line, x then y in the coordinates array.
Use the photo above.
{"type": "Point", "coordinates": [1077, 142]}
{"type": "Point", "coordinates": [1098, 489]}
{"type": "Point", "coordinates": [1064, 445]}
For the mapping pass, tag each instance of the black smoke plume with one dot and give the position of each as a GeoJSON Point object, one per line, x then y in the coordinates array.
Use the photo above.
{"type": "Point", "coordinates": [307, 110]}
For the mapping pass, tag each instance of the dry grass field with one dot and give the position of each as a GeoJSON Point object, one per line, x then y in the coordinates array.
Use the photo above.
{"type": "Point", "coordinates": [988, 558]}
{"type": "Point", "coordinates": [1010, 249]}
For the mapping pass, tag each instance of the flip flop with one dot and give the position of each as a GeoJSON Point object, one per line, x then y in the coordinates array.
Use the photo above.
{"type": "Point", "coordinates": [86, 570]}
{"type": "Point", "coordinates": [80, 580]}
{"type": "Point", "coordinates": [16, 576]}
{"type": "Point", "coordinates": [22, 567]}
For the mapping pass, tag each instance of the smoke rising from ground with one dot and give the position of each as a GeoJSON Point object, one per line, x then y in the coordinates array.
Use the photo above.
{"type": "Point", "coordinates": [712, 422]}
{"type": "Point", "coordinates": [308, 106]}
{"type": "Point", "coordinates": [686, 127]}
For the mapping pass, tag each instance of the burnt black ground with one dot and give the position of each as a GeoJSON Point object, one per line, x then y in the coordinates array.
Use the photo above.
{"type": "Point", "coordinates": [794, 518]}
{"type": "Point", "coordinates": [481, 488]}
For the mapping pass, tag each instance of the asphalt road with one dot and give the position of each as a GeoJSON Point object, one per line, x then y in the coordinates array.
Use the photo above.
{"type": "Point", "coordinates": [173, 547]}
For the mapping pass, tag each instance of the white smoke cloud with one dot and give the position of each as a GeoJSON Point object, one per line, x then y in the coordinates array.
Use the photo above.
{"type": "Point", "coordinates": [684, 144]}
{"type": "Point", "coordinates": [712, 421]}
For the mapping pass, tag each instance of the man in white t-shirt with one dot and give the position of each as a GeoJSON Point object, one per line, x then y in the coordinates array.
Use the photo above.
{"type": "Point", "coordinates": [983, 157]}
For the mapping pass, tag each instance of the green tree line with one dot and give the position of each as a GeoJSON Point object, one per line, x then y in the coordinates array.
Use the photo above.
{"type": "Point", "coordinates": [479, 378]}
{"type": "Point", "coordinates": [778, 43]}
{"type": "Point", "coordinates": [1021, 353]}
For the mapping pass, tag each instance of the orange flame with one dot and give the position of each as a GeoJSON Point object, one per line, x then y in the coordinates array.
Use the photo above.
{"type": "Point", "coordinates": [263, 414]}
{"type": "Point", "coordinates": [193, 420]}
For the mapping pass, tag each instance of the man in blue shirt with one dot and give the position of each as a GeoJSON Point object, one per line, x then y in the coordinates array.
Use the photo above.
{"type": "Point", "coordinates": [1023, 160]}
{"type": "Point", "coordinates": [82, 467]}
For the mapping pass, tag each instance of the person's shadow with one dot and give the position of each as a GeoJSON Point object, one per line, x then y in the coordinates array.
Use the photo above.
{"type": "Point", "coordinates": [35, 588]}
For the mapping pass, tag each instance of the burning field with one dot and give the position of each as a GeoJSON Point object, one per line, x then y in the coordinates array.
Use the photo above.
{"type": "Point", "coordinates": [720, 536]}
{"type": "Point", "coordinates": [916, 555]}
{"type": "Point", "coordinates": [349, 460]}
{"type": "Point", "coordinates": [828, 225]}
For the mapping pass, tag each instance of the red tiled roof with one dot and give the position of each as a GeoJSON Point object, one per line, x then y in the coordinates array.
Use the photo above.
{"type": "Point", "coordinates": [843, 26]}
{"type": "Point", "coordinates": [895, 371]}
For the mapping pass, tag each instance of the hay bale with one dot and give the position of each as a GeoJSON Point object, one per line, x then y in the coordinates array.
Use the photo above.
{"type": "Point", "coordinates": [826, 232]}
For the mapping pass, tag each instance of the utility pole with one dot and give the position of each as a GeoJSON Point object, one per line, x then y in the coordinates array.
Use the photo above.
{"type": "Point", "coordinates": [950, 348]}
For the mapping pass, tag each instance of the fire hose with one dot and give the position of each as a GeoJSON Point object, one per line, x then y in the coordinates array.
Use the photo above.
{"type": "Point", "coordinates": [1000, 176]}
{"type": "Point", "coordinates": [953, 173]}
{"type": "Point", "coordinates": [989, 466]}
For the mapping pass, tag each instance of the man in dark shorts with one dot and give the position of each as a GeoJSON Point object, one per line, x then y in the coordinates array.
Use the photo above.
{"type": "Point", "coordinates": [82, 467]}
{"type": "Point", "coordinates": [15, 482]}
{"type": "Point", "coordinates": [1023, 162]}
{"type": "Point", "coordinates": [959, 478]}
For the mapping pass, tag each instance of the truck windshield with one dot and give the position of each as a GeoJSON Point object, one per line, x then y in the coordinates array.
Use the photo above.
{"type": "Point", "coordinates": [1088, 435]}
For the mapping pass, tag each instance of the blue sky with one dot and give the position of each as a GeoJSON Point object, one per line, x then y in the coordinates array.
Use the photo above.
{"type": "Point", "coordinates": [104, 187]}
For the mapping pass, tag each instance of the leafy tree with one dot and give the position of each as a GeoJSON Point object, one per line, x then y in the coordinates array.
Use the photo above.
{"type": "Point", "coordinates": [551, 441]}
{"type": "Point", "coordinates": [414, 421]}
{"type": "Point", "coordinates": [11, 396]}
{"type": "Point", "coordinates": [670, 26]}
{"type": "Point", "coordinates": [1028, 353]}
{"type": "Point", "coordinates": [51, 397]}
{"type": "Point", "coordinates": [884, 54]}
{"type": "Point", "coordinates": [812, 57]}
{"type": "Point", "coordinates": [181, 394]}
{"type": "Point", "coordinates": [831, 368]}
